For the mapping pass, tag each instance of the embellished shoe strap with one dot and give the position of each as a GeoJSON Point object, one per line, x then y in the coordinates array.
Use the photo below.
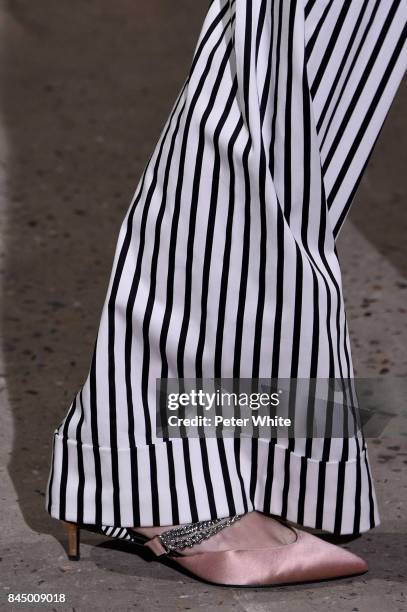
{"type": "Point", "coordinates": [170, 542]}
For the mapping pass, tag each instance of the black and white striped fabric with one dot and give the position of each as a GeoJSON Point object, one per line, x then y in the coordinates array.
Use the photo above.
{"type": "Point", "coordinates": [119, 533]}
{"type": "Point", "coordinates": [226, 266]}
{"type": "Point", "coordinates": [123, 533]}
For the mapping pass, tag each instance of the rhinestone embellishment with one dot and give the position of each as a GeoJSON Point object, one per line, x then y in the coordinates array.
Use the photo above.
{"type": "Point", "coordinates": [186, 536]}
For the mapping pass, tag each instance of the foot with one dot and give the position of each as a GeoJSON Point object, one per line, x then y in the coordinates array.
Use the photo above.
{"type": "Point", "coordinates": [257, 551]}
{"type": "Point", "coordinates": [264, 532]}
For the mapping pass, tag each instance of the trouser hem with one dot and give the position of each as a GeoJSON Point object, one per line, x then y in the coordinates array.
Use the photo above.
{"type": "Point", "coordinates": [337, 496]}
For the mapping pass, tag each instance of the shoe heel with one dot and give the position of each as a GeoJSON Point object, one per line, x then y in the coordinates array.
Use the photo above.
{"type": "Point", "coordinates": [72, 534]}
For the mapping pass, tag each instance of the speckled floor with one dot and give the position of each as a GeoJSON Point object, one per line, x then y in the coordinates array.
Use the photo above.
{"type": "Point", "coordinates": [85, 88]}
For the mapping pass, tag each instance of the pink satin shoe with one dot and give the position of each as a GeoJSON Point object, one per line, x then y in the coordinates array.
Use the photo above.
{"type": "Point", "coordinates": [248, 550]}
{"type": "Point", "coordinates": [257, 550]}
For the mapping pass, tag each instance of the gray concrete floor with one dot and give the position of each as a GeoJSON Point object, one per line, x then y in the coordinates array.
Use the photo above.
{"type": "Point", "coordinates": [85, 87]}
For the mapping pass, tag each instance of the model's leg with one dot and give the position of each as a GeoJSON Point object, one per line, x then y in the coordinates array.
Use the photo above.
{"type": "Point", "coordinates": [356, 58]}
{"type": "Point", "coordinates": [225, 266]}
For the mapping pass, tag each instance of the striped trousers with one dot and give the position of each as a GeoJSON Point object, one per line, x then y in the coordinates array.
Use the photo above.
{"type": "Point", "coordinates": [226, 266]}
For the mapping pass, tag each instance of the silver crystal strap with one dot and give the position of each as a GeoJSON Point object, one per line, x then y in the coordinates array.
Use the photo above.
{"type": "Point", "coordinates": [185, 536]}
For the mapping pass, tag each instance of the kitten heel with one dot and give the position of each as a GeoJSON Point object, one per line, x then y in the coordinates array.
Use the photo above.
{"type": "Point", "coordinates": [72, 534]}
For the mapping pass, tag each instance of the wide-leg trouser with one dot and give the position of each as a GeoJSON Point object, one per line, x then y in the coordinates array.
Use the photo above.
{"type": "Point", "coordinates": [226, 266]}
